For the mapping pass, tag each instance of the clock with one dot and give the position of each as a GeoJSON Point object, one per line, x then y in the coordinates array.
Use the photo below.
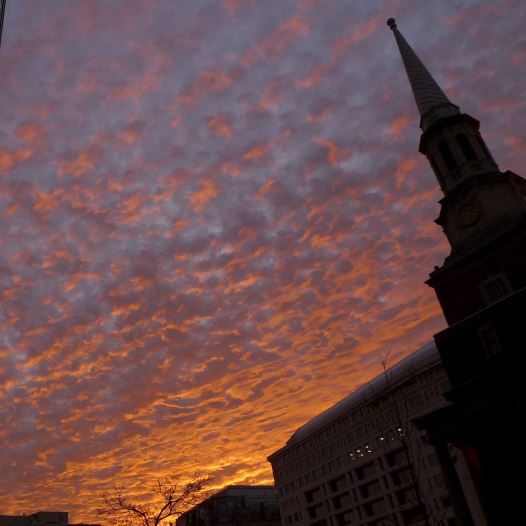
{"type": "Point", "coordinates": [468, 215]}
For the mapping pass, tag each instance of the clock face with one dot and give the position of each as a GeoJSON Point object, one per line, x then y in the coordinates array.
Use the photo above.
{"type": "Point", "coordinates": [468, 215]}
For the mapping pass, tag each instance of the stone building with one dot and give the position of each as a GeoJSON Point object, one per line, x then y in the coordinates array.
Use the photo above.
{"type": "Point", "coordinates": [363, 462]}
{"type": "Point", "coordinates": [235, 506]}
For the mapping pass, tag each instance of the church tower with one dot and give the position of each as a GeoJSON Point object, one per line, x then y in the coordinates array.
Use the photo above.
{"type": "Point", "coordinates": [481, 287]}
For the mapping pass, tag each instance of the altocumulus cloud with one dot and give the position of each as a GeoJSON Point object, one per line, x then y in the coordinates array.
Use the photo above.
{"type": "Point", "coordinates": [214, 219]}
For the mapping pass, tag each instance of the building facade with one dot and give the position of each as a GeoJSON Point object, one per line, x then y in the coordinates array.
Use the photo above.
{"type": "Point", "coordinates": [41, 518]}
{"type": "Point", "coordinates": [363, 461]}
{"type": "Point", "coordinates": [235, 506]}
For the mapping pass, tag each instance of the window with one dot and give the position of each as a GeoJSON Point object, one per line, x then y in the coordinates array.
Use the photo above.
{"type": "Point", "coordinates": [371, 489]}
{"type": "Point", "coordinates": [494, 288]}
{"type": "Point", "coordinates": [338, 484]}
{"type": "Point", "coordinates": [396, 458]}
{"type": "Point", "coordinates": [366, 471]}
{"type": "Point", "coordinates": [412, 515]}
{"type": "Point", "coordinates": [341, 501]}
{"type": "Point", "coordinates": [490, 340]}
{"type": "Point", "coordinates": [344, 519]}
{"type": "Point", "coordinates": [447, 155]}
{"type": "Point", "coordinates": [465, 146]}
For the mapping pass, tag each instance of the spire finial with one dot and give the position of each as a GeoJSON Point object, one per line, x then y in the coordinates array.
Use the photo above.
{"type": "Point", "coordinates": [428, 94]}
{"type": "Point", "coordinates": [391, 22]}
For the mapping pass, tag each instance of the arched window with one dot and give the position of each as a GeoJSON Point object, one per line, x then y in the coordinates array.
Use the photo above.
{"type": "Point", "coordinates": [465, 146]}
{"type": "Point", "coordinates": [447, 155]}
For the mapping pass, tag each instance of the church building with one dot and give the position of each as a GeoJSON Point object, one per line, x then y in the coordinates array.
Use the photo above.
{"type": "Point", "coordinates": [481, 287]}
{"type": "Point", "coordinates": [439, 441]}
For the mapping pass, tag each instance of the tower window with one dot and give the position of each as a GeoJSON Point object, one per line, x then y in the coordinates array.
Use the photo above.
{"type": "Point", "coordinates": [447, 155]}
{"type": "Point", "coordinates": [494, 288]}
{"type": "Point", "coordinates": [465, 146]}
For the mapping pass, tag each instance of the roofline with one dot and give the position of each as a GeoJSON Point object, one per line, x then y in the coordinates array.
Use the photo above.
{"type": "Point", "coordinates": [428, 352]}
{"type": "Point", "coordinates": [226, 488]}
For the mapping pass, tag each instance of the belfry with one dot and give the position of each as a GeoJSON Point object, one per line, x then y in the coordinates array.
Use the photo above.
{"type": "Point", "coordinates": [481, 287]}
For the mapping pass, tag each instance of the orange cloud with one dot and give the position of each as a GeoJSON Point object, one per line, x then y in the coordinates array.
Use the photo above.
{"type": "Point", "coordinates": [204, 195]}
{"type": "Point", "coordinates": [358, 35]}
{"type": "Point", "coordinates": [256, 153]}
{"type": "Point", "coordinates": [398, 126]}
{"type": "Point", "coordinates": [230, 168]}
{"type": "Point", "coordinates": [321, 116]}
{"type": "Point", "coordinates": [233, 6]}
{"type": "Point", "coordinates": [514, 142]}
{"type": "Point", "coordinates": [81, 165]}
{"type": "Point", "coordinates": [335, 154]}
{"type": "Point", "coordinates": [209, 81]}
{"type": "Point", "coordinates": [9, 159]}
{"type": "Point", "coordinates": [405, 168]}
{"type": "Point", "coordinates": [220, 125]}
{"type": "Point", "coordinates": [45, 202]}
{"type": "Point", "coordinates": [29, 132]}
{"type": "Point", "coordinates": [277, 42]}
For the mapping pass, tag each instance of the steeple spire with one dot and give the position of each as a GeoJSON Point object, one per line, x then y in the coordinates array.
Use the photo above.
{"type": "Point", "coordinates": [432, 102]}
{"type": "Point", "coordinates": [463, 165]}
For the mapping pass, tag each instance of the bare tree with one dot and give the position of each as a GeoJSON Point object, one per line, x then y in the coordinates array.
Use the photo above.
{"type": "Point", "coordinates": [170, 499]}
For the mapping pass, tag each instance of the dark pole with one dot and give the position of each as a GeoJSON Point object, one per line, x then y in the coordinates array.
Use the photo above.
{"type": "Point", "coordinates": [2, 11]}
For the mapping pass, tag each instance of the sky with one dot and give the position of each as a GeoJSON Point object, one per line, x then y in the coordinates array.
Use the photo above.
{"type": "Point", "coordinates": [215, 222]}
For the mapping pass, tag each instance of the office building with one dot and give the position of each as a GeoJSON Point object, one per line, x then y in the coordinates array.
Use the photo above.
{"type": "Point", "coordinates": [235, 506]}
{"type": "Point", "coordinates": [363, 461]}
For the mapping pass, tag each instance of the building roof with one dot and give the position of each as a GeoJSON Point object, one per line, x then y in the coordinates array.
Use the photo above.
{"type": "Point", "coordinates": [239, 489]}
{"type": "Point", "coordinates": [248, 491]}
{"type": "Point", "coordinates": [428, 94]}
{"type": "Point", "coordinates": [422, 359]}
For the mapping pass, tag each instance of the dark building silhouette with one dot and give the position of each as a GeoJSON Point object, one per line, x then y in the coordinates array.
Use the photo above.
{"type": "Point", "coordinates": [362, 461]}
{"type": "Point", "coordinates": [481, 287]}
{"type": "Point", "coordinates": [40, 518]}
{"type": "Point", "coordinates": [235, 506]}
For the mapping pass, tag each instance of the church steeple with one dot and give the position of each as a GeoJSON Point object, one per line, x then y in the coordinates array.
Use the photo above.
{"type": "Point", "coordinates": [431, 101]}
{"type": "Point", "coordinates": [478, 199]}
{"type": "Point", "coordinates": [481, 287]}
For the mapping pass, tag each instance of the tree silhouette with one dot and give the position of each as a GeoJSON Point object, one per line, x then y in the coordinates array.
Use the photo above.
{"type": "Point", "coordinates": [170, 499]}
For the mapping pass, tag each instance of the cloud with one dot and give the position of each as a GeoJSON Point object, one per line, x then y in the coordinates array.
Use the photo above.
{"type": "Point", "coordinates": [214, 221]}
